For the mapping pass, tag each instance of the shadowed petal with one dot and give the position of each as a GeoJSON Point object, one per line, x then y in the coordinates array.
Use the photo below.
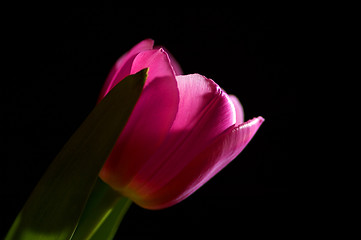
{"type": "Point", "coordinates": [149, 122]}
{"type": "Point", "coordinates": [203, 167]}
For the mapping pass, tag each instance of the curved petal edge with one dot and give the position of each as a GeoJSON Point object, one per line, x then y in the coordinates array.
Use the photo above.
{"type": "Point", "coordinates": [204, 166]}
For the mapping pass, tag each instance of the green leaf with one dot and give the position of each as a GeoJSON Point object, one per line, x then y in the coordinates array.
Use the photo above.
{"type": "Point", "coordinates": [109, 227]}
{"type": "Point", "coordinates": [56, 204]}
{"type": "Point", "coordinates": [102, 215]}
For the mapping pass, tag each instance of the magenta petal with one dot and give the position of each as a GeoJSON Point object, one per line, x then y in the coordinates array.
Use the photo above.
{"type": "Point", "coordinates": [203, 106]}
{"type": "Point", "coordinates": [204, 113]}
{"type": "Point", "coordinates": [158, 62]}
{"type": "Point", "coordinates": [122, 67]}
{"type": "Point", "coordinates": [227, 147]}
{"type": "Point", "coordinates": [176, 66]}
{"type": "Point", "coordinates": [239, 109]}
{"type": "Point", "coordinates": [149, 122]}
{"type": "Point", "coordinates": [221, 153]}
{"type": "Point", "coordinates": [204, 166]}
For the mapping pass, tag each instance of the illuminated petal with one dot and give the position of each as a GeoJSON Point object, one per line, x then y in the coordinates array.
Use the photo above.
{"type": "Point", "coordinates": [122, 67]}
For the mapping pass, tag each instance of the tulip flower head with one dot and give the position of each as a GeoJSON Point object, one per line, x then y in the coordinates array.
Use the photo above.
{"type": "Point", "coordinates": [183, 130]}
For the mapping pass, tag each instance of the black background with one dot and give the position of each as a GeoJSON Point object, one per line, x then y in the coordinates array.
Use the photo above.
{"type": "Point", "coordinates": [57, 61]}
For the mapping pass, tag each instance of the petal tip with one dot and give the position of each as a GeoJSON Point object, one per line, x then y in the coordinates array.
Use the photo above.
{"type": "Point", "coordinates": [149, 40]}
{"type": "Point", "coordinates": [261, 119]}
{"type": "Point", "coordinates": [253, 124]}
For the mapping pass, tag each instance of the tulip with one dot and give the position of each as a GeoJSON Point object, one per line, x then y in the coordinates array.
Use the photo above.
{"type": "Point", "coordinates": [183, 130]}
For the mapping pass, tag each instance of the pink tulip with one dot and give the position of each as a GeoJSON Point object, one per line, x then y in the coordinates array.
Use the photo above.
{"type": "Point", "coordinates": [183, 130]}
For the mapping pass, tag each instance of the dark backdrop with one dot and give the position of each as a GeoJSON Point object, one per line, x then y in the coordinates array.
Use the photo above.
{"type": "Point", "coordinates": [57, 61]}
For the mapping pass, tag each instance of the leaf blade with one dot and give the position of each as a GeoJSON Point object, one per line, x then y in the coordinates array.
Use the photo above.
{"type": "Point", "coordinates": [102, 215]}
{"type": "Point", "coordinates": [56, 204]}
{"type": "Point", "coordinates": [111, 224]}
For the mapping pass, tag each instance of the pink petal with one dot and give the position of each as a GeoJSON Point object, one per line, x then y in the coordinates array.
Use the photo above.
{"type": "Point", "coordinates": [122, 67]}
{"type": "Point", "coordinates": [239, 109]}
{"type": "Point", "coordinates": [149, 122]}
{"type": "Point", "coordinates": [226, 148]}
{"type": "Point", "coordinates": [204, 166]}
{"type": "Point", "coordinates": [204, 113]}
{"type": "Point", "coordinates": [176, 66]}
{"type": "Point", "coordinates": [158, 59]}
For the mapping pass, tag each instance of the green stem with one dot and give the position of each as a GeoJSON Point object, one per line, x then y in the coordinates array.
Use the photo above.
{"type": "Point", "coordinates": [102, 204]}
